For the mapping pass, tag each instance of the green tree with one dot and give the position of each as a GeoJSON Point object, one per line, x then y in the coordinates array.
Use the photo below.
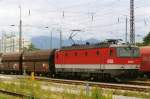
{"type": "Point", "coordinates": [147, 39]}
{"type": "Point", "coordinates": [139, 44]}
{"type": "Point", "coordinates": [31, 48]}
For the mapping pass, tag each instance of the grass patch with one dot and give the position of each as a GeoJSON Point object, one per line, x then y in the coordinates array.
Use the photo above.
{"type": "Point", "coordinates": [36, 89]}
{"type": "Point", "coordinates": [98, 93]}
{"type": "Point", "coordinates": [49, 90]}
{"type": "Point", "coordinates": [4, 96]}
{"type": "Point", "coordinates": [129, 93]}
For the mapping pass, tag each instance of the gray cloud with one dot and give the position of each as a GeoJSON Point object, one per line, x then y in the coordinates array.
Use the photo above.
{"type": "Point", "coordinates": [77, 15]}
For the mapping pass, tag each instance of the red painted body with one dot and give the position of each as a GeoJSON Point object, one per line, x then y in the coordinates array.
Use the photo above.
{"type": "Point", "coordinates": [91, 56]}
{"type": "Point", "coordinates": [145, 65]}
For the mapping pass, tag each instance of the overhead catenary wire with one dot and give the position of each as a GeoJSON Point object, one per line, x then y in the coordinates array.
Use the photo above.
{"type": "Point", "coordinates": [68, 14]}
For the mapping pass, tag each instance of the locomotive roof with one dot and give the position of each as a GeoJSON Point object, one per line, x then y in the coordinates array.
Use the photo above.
{"type": "Point", "coordinates": [98, 45]}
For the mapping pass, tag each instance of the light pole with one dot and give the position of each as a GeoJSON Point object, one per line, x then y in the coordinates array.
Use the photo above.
{"type": "Point", "coordinates": [13, 39]}
{"type": "Point", "coordinates": [60, 36]}
{"type": "Point", "coordinates": [13, 42]}
{"type": "Point", "coordinates": [51, 38]}
{"type": "Point", "coordinates": [4, 42]}
{"type": "Point", "coordinates": [20, 31]}
{"type": "Point", "coordinates": [126, 29]}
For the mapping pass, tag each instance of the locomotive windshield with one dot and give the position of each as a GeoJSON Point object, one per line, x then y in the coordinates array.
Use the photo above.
{"type": "Point", "coordinates": [128, 52]}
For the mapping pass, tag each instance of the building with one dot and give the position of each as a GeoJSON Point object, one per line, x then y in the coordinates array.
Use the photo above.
{"type": "Point", "coordinates": [10, 43]}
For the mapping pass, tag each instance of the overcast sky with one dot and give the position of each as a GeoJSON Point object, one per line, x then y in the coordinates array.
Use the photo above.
{"type": "Point", "coordinates": [108, 17]}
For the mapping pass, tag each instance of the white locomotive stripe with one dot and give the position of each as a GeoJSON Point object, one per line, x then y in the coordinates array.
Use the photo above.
{"type": "Point", "coordinates": [98, 66]}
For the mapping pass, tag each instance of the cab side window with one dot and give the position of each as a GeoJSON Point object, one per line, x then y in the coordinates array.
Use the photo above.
{"type": "Point", "coordinates": [86, 53]}
{"type": "Point", "coordinates": [66, 54]}
{"type": "Point", "coordinates": [111, 53]}
{"type": "Point", "coordinates": [57, 56]}
{"type": "Point", "coordinates": [97, 53]}
{"type": "Point", "coordinates": [75, 53]}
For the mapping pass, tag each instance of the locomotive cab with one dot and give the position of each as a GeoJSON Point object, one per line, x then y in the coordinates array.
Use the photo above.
{"type": "Point", "coordinates": [126, 59]}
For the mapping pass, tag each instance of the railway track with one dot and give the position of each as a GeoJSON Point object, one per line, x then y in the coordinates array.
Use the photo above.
{"type": "Point", "coordinates": [140, 83]}
{"type": "Point", "coordinates": [143, 79]}
{"type": "Point", "coordinates": [129, 87]}
{"type": "Point", "coordinates": [16, 94]}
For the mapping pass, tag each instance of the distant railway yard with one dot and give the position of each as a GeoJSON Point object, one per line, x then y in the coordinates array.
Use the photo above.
{"type": "Point", "coordinates": [68, 49]}
{"type": "Point", "coordinates": [26, 87]}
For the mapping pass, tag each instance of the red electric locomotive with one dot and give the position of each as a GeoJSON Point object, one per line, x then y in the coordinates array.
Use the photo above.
{"type": "Point", "coordinates": [98, 61]}
{"type": "Point", "coordinates": [145, 65]}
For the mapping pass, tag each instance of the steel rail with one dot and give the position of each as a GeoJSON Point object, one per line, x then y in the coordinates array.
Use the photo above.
{"type": "Point", "coordinates": [129, 87]}
{"type": "Point", "coordinates": [138, 83]}
{"type": "Point", "coordinates": [16, 94]}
